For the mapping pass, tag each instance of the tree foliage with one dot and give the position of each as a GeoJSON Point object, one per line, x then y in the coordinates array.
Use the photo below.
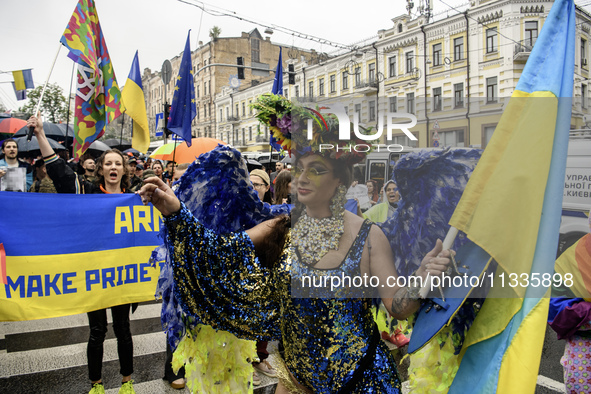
{"type": "Point", "coordinates": [54, 106]}
{"type": "Point", "coordinates": [215, 32]}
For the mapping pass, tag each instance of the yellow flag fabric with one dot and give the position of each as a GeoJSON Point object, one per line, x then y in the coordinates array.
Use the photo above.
{"type": "Point", "coordinates": [133, 97]}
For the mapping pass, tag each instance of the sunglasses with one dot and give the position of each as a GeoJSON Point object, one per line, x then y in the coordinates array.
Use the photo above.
{"type": "Point", "coordinates": [310, 172]}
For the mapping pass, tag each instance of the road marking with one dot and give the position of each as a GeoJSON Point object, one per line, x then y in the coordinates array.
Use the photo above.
{"type": "Point", "coordinates": [551, 384]}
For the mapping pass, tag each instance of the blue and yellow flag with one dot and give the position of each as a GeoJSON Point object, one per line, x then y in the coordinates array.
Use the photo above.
{"type": "Point", "coordinates": [183, 109]}
{"type": "Point", "coordinates": [511, 208]}
{"type": "Point", "coordinates": [66, 254]}
{"type": "Point", "coordinates": [23, 79]}
{"type": "Point", "coordinates": [135, 107]}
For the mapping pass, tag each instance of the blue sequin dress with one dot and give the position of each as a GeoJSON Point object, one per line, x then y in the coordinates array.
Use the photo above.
{"type": "Point", "coordinates": [220, 282]}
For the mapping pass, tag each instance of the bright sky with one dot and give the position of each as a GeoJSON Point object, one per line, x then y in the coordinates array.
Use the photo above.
{"type": "Point", "coordinates": [31, 30]}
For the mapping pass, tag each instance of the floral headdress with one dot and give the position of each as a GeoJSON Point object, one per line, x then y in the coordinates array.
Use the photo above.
{"type": "Point", "coordinates": [287, 123]}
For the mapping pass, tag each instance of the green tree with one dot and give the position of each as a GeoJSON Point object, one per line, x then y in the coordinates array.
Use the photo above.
{"type": "Point", "coordinates": [215, 32]}
{"type": "Point", "coordinates": [54, 105]}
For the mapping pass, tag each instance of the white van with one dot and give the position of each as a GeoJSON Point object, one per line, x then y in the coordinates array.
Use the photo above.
{"type": "Point", "coordinates": [576, 201]}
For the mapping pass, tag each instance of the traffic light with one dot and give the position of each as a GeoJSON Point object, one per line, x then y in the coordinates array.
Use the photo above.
{"type": "Point", "coordinates": [240, 62]}
{"type": "Point", "coordinates": [291, 74]}
{"type": "Point", "coordinates": [166, 115]}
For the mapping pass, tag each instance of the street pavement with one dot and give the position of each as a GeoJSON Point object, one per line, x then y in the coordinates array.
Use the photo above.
{"type": "Point", "coordinates": [49, 356]}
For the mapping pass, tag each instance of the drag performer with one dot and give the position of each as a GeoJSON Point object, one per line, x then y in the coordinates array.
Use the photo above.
{"type": "Point", "coordinates": [243, 282]}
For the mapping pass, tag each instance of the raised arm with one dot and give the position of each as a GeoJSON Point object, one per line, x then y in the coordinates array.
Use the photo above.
{"type": "Point", "coordinates": [46, 149]}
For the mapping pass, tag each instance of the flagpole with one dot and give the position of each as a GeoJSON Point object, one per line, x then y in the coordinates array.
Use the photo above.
{"type": "Point", "coordinates": [30, 135]}
{"type": "Point", "coordinates": [68, 112]}
{"type": "Point", "coordinates": [447, 243]}
{"type": "Point", "coordinates": [122, 123]}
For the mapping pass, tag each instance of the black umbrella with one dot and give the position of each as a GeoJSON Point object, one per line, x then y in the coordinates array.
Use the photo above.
{"type": "Point", "coordinates": [31, 148]}
{"type": "Point", "coordinates": [252, 164]}
{"type": "Point", "coordinates": [117, 143]}
{"type": "Point", "coordinates": [97, 148]}
{"type": "Point", "coordinates": [53, 131]}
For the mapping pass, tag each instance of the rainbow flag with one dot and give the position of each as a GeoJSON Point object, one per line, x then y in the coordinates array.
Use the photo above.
{"type": "Point", "coordinates": [133, 97]}
{"type": "Point", "coordinates": [511, 208]}
{"type": "Point", "coordinates": [98, 98]}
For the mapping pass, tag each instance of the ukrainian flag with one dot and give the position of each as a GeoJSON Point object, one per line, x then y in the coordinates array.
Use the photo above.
{"type": "Point", "coordinates": [23, 79]}
{"type": "Point", "coordinates": [511, 208]}
{"type": "Point", "coordinates": [135, 104]}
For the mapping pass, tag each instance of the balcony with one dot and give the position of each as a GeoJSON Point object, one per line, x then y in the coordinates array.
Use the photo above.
{"type": "Point", "coordinates": [365, 86]}
{"type": "Point", "coordinates": [522, 50]}
{"type": "Point", "coordinates": [233, 119]}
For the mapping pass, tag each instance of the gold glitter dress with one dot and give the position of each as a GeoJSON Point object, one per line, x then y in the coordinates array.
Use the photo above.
{"type": "Point", "coordinates": [331, 344]}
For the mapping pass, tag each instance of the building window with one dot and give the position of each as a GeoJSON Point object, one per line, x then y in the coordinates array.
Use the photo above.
{"type": "Point", "coordinates": [255, 50]}
{"type": "Point", "coordinates": [358, 111]}
{"type": "Point", "coordinates": [400, 28]}
{"type": "Point", "coordinates": [531, 33]}
{"type": "Point", "coordinates": [491, 40]}
{"type": "Point", "coordinates": [297, 91]}
{"type": "Point", "coordinates": [243, 109]}
{"type": "Point", "coordinates": [197, 89]}
{"type": "Point", "coordinates": [458, 48]}
{"type": "Point", "coordinates": [372, 110]}
{"type": "Point", "coordinates": [250, 133]}
{"type": "Point", "coordinates": [345, 80]}
{"type": "Point", "coordinates": [583, 52]}
{"type": "Point", "coordinates": [488, 133]}
{"type": "Point", "coordinates": [357, 76]}
{"type": "Point", "coordinates": [437, 55]}
{"type": "Point", "coordinates": [249, 107]}
{"type": "Point", "coordinates": [221, 114]}
{"type": "Point", "coordinates": [321, 87]}
{"type": "Point", "coordinates": [437, 99]}
{"type": "Point", "coordinates": [286, 93]}
{"type": "Point", "coordinates": [392, 66]}
{"type": "Point", "coordinates": [451, 138]}
{"type": "Point", "coordinates": [410, 63]}
{"type": "Point", "coordinates": [205, 88]}
{"type": "Point", "coordinates": [333, 83]}
{"type": "Point", "coordinates": [404, 140]}
{"type": "Point", "coordinates": [311, 89]}
{"type": "Point", "coordinates": [243, 135]}
{"type": "Point", "coordinates": [458, 95]}
{"type": "Point", "coordinates": [372, 72]}
{"type": "Point", "coordinates": [394, 104]}
{"type": "Point", "coordinates": [237, 113]}
{"type": "Point", "coordinates": [197, 108]}
{"type": "Point", "coordinates": [491, 90]}
{"type": "Point", "coordinates": [410, 103]}
{"type": "Point", "coordinates": [227, 113]}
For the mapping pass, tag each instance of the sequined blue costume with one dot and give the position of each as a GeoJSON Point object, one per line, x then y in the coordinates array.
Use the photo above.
{"type": "Point", "coordinates": [220, 282]}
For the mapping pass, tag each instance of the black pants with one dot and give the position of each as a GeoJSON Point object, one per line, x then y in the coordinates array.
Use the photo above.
{"type": "Point", "coordinates": [97, 320]}
{"type": "Point", "coordinates": [169, 374]}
